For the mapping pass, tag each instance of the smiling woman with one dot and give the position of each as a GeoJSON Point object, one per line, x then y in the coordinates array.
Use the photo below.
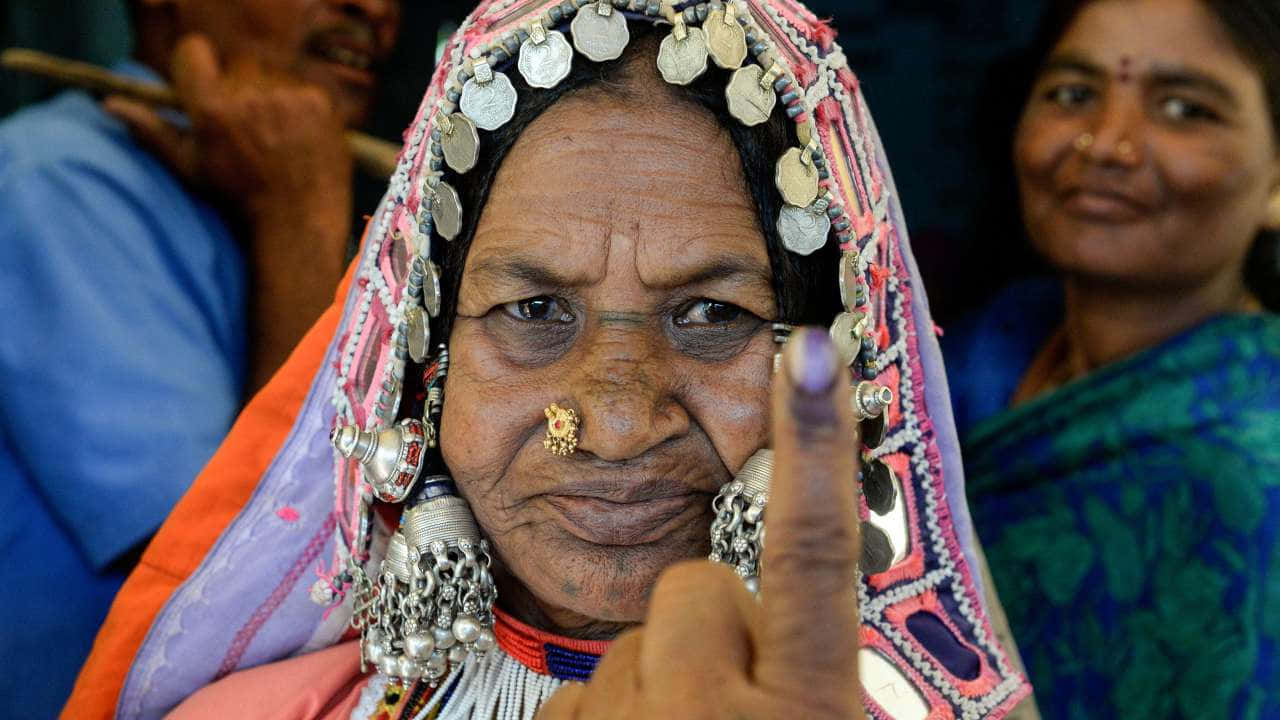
{"type": "Point", "coordinates": [1120, 426]}
{"type": "Point", "coordinates": [564, 362]}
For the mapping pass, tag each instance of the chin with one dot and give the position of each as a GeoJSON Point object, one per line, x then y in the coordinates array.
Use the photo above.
{"type": "Point", "coordinates": [605, 583]}
{"type": "Point", "coordinates": [1116, 253]}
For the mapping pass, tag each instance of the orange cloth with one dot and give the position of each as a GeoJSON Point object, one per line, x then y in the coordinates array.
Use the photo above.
{"type": "Point", "coordinates": [216, 497]}
{"type": "Point", "coordinates": [323, 685]}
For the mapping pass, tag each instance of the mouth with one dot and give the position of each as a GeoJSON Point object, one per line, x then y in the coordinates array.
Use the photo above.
{"type": "Point", "coordinates": [350, 52]}
{"type": "Point", "coordinates": [1104, 206]}
{"type": "Point", "coordinates": [635, 522]}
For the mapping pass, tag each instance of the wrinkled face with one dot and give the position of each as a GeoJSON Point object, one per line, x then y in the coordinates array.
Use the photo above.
{"type": "Point", "coordinates": [1146, 155]}
{"type": "Point", "coordinates": [618, 269]}
{"type": "Point", "coordinates": [334, 44]}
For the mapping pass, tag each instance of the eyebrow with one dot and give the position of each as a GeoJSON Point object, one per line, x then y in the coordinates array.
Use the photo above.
{"type": "Point", "coordinates": [1162, 76]}
{"type": "Point", "coordinates": [535, 272]}
{"type": "Point", "coordinates": [1070, 62]}
{"type": "Point", "coordinates": [1181, 77]}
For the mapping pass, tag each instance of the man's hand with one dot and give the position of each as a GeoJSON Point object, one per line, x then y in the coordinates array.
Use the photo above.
{"type": "Point", "coordinates": [270, 150]}
{"type": "Point", "coordinates": [708, 649]}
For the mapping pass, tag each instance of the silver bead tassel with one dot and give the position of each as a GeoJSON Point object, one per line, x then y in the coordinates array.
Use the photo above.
{"type": "Point", "coordinates": [737, 532]}
{"type": "Point", "coordinates": [433, 602]}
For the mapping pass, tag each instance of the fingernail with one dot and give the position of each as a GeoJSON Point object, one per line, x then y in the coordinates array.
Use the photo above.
{"type": "Point", "coordinates": [811, 361]}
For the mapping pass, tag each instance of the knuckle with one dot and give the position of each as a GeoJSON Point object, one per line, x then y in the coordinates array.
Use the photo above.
{"type": "Point", "coordinates": [824, 550]}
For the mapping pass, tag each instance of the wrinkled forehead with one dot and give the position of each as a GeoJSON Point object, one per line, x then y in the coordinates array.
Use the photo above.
{"type": "Point", "coordinates": [632, 168]}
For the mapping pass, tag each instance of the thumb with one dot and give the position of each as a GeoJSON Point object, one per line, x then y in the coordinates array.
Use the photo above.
{"type": "Point", "coordinates": [174, 147]}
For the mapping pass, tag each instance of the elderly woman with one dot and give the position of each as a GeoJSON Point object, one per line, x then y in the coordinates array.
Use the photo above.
{"type": "Point", "coordinates": [559, 361]}
{"type": "Point", "coordinates": [1123, 448]}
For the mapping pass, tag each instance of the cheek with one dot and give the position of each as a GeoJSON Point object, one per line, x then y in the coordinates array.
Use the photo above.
{"type": "Point", "coordinates": [730, 401]}
{"type": "Point", "coordinates": [485, 419]}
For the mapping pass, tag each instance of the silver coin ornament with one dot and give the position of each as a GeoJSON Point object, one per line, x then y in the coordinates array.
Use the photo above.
{"type": "Point", "coordinates": [797, 177]}
{"type": "Point", "coordinates": [682, 56]}
{"type": "Point", "coordinates": [726, 38]}
{"type": "Point", "coordinates": [431, 289]}
{"type": "Point", "coordinates": [488, 98]}
{"type": "Point", "coordinates": [804, 230]}
{"type": "Point", "coordinates": [545, 57]}
{"type": "Point", "coordinates": [750, 100]}
{"type": "Point", "coordinates": [459, 140]}
{"type": "Point", "coordinates": [417, 332]}
{"type": "Point", "coordinates": [599, 33]}
{"type": "Point", "coordinates": [849, 280]}
{"type": "Point", "coordinates": [446, 210]}
{"type": "Point", "coordinates": [846, 333]}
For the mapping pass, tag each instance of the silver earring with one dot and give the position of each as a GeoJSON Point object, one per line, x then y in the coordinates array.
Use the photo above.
{"type": "Point", "coordinates": [432, 604]}
{"type": "Point", "coordinates": [737, 532]}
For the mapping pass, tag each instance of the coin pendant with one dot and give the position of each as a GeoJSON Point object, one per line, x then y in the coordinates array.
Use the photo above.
{"type": "Point", "coordinates": [726, 40]}
{"type": "Point", "coordinates": [417, 333]}
{"type": "Point", "coordinates": [600, 37]}
{"type": "Point", "coordinates": [803, 230]}
{"type": "Point", "coordinates": [446, 211]}
{"type": "Point", "coordinates": [489, 105]}
{"type": "Point", "coordinates": [682, 61]}
{"type": "Point", "coordinates": [461, 144]}
{"type": "Point", "coordinates": [749, 102]}
{"type": "Point", "coordinates": [431, 289]}
{"type": "Point", "coordinates": [545, 64]}
{"type": "Point", "coordinates": [849, 280]}
{"type": "Point", "coordinates": [804, 132]}
{"type": "Point", "coordinates": [796, 179]}
{"type": "Point", "coordinates": [846, 334]}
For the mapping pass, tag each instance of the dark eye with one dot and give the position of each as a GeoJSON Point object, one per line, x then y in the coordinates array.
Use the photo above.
{"type": "Point", "coordinates": [708, 312]}
{"type": "Point", "coordinates": [1071, 95]}
{"type": "Point", "coordinates": [1182, 110]}
{"type": "Point", "coordinates": [542, 308]}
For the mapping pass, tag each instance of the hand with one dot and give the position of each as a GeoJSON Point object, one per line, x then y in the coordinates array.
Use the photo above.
{"type": "Point", "coordinates": [708, 649]}
{"type": "Point", "coordinates": [271, 150]}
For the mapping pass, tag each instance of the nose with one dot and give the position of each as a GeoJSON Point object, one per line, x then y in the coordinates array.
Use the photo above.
{"type": "Point", "coordinates": [627, 395]}
{"type": "Point", "coordinates": [1116, 135]}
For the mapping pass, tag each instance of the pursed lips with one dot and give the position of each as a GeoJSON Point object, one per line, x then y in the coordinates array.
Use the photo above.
{"type": "Point", "coordinates": [639, 511]}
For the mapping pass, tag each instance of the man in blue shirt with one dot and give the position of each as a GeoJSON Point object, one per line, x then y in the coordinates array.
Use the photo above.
{"type": "Point", "coordinates": [154, 271]}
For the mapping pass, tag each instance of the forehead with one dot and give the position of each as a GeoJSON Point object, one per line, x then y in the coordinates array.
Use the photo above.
{"type": "Point", "coordinates": [641, 164]}
{"type": "Point", "coordinates": [1173, 33]}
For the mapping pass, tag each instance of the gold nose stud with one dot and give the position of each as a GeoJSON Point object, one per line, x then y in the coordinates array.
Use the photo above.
{"type": "Point", "coordinates": [562, 430]}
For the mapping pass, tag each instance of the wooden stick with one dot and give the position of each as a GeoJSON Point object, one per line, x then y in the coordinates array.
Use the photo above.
{"type": "Point", "coordinates": [374, 156]}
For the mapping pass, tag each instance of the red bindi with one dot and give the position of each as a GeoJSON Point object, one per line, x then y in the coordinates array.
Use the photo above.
{"type": "Point", "coordinates": [1126, 68]}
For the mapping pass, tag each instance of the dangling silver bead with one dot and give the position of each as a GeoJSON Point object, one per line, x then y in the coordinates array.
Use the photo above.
{"type": "Point", "coordinates": [444, 638]}
{"type": "Point", "coordinates": [419, 646]}
{"type": "Point", "coordinates": [486, 640]}
{"type": "Point", "coordinates": [406, 668]}
{"type": "Point", "coordinates": [457, 654]}
{"type": "Point", "coordinates": [466, 629]}
{"type": "Point", "coordinates": [389, 665]}
{"type": "Point", "coordinates": [436, 665]}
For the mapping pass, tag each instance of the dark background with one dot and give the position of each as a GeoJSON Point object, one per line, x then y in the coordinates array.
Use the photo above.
{"type": "Point", "coordinates": [944, 79]}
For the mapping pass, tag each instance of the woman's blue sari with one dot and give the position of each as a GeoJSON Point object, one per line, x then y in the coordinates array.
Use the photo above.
{"type": "Point", "coordinates": [1132, 523]}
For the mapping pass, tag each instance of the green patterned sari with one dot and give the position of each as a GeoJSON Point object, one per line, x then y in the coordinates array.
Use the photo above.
{"type": "Point", "coordinates": [1132, 523]}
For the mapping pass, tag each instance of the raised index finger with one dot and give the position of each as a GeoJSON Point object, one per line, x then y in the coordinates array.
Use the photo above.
{"type": "Point", "coordinates": [811, 548]}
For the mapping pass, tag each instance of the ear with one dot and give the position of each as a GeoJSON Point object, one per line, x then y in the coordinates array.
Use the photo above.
{"type": "Point", "coordinates": [1273, 212]}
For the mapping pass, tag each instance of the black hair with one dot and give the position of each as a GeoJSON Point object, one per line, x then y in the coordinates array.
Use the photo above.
{"type": "Point", "coordinates": [1254, 28]}
{"type": "Point", "coordinates": [805, 286]}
